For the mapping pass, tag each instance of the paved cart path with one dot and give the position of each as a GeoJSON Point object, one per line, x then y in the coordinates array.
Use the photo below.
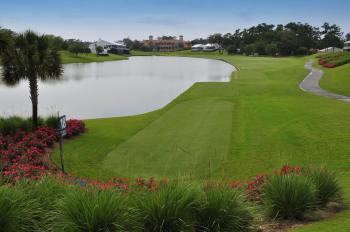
{"type": "Point", "coordinates": [311, 84]}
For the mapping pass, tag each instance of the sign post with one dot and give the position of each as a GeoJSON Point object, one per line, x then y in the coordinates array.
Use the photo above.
{"type": "Point", "coordinates": [61, 133]}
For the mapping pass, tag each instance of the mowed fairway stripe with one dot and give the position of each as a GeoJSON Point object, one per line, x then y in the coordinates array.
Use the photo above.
{"type": "Point", "coordinates": [193, 137]}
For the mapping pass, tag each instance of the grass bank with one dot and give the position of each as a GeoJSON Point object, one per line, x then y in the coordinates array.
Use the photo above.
{"type": "Point", "coordinates": [255, 122]}
{"type": "Point", "coordinates": [337, 80]}
{"type": "Point", "coordinates": [68, 58]}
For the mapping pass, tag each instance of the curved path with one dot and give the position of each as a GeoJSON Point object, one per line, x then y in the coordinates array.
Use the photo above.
{"type": "Point", "coordinates": [311, 84]}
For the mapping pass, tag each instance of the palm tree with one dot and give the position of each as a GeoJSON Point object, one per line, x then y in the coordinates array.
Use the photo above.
{"type": "Point", "coordinates": [29, 57]}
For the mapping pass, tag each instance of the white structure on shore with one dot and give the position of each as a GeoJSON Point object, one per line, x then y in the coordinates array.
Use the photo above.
{"type": "Point", "coordinates": [108, 47]}
{"type": "Point", "coordinates": [198, 47]}
{"type": "Point", "coordinates": [211, 47]}
{"type": "Point", "coordinates": [331, 49]}
{"type": "Point", "coordinates": [347, 46]}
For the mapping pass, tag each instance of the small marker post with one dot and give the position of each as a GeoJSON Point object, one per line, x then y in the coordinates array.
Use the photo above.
{"type": "Point", "coordinates": [61, 134]}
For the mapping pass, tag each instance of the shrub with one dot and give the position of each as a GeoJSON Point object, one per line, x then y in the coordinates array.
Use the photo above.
{"type": "Point", "coordinates": [223, 209]}
{"type": "Point", "coordinates": [302, 51]}
{"type": "Point", "coordinates": [170, 208]}
{"type": "Point", "coordinates": [17, 212]}
{"type": "Point", "coordinates": [325, 181]}
{"type": "Point", "coordinates": [90, 211]}
{"type": "Point", "coordinates": [289, 196]}
{"type": "Point", "coordinates": [271, 49]}
{"type": "Point", "coordinates": [232, 49]}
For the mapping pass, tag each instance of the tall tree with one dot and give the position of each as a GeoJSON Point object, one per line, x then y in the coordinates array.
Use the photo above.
{"type": "Point", "coordinates": [56, 42]}
{"type": "Point", "coordinates": [332, 36]}
{"type": "Point", "coordinates": [215, 38]}
{"type": "Point", "coordinates": [30, 58]}
{"type": "Point", "coordinates": [78, 47]}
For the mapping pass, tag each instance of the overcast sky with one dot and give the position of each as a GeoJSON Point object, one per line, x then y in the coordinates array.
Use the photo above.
{"type": "Point", "coordinates": [117, 19]}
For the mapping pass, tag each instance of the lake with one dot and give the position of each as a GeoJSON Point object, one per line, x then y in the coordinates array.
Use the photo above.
{"type": "Point", "coordinates": [115, 88]}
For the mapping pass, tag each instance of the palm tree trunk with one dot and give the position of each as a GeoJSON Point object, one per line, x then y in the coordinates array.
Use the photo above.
{"type": "Point", "coordinates": [33, 85]}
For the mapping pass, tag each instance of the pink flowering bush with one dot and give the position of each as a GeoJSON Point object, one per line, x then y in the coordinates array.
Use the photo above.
{"type": "Point", "coordinates": [74, 127]}
{"type": "Point", "coordinates": [329, 65]}
{"type": "Point", "coordinates": [27, 154]}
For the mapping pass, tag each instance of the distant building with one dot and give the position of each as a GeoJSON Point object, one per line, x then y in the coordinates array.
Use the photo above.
{"type": "Point", "coordinates": [166, 45]}
{"type": "Point", "coordinates": [347, 46]}
{"type": "Point", "coordinates": [108, 47]}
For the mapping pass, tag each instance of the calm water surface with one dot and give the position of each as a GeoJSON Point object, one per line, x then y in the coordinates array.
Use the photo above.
{"type": "Point", "coordinates": [115, 88]}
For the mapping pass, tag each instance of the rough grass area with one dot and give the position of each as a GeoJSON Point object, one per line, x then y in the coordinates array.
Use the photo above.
{"type": "Point", "coordinates": [258, 121]}
{"type": "Point", "coordinates": [68, 57]}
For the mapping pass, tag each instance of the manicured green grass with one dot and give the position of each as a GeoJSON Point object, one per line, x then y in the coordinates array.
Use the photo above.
{"type": "Point", "coordinates": [255, 123]}
{"type": "Point", "coordinates": [68, 57]}
{"type": "Point", "coordinates": [337, 80]}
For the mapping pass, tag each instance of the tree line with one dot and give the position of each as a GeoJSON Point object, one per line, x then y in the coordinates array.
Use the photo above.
{"type": "Point", "coordinates": [290, 39]}
{"type": "Point", "coordinates": [294, 38]}
{"type": "Point", "coordinates": [74, 46]}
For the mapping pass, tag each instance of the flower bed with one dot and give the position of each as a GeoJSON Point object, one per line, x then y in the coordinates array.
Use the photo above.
{"type": "Point", "coordinates": [26, 154]}
{"type": "Point", "coordinates": [332, 60]}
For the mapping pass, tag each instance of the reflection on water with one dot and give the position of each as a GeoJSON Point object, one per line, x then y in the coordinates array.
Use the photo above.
{"type": "Point", "coordinates": [115, 88]}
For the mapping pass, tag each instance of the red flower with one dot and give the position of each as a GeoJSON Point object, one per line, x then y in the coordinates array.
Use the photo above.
{"type": "Point", "coordinates": [24, 154]}
{"type": "Point", "coordinates": [329, 65]}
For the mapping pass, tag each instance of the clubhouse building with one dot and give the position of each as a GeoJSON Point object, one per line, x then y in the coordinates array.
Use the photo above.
{"type": "Point", "coordinates": [166, 45]}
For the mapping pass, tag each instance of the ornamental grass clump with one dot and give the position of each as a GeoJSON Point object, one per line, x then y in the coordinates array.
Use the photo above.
{"type": "Point", "coordinates": [90, 211]}
{"type": "Point", "coordinates": [46, 192]}
{"type": "Point", "coordinates": [11, 124]}
{"type": "Point", "coordinates": [327, 186]}
{"type": "Point", "coordinates": [170, 208]}
{"type": "Point", "coordinates": [223, 209]}
{"type": "Point", "coordinates": [52, 121]}
{"type": "Point", "coordinates": [289, 196]}
{"type": "Point", "coordinates": [17, 212]}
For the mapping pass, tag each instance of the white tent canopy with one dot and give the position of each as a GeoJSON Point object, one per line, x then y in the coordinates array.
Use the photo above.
{"type": "Point", "coordinates": [347, 46]}
{"type": "Point", "coordinates": [211, 47]}
{"type": "Point", "coordinates": [198, 47]}
{"type": "Point", "coordinates": [331, 49]}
